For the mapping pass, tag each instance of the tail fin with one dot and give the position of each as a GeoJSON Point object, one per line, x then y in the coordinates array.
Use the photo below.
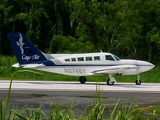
{"type": "Point", "coordinates": [25, 51]}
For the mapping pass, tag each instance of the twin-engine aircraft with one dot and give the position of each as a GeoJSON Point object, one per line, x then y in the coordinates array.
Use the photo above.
{"type": "Point", "coordinates": [82, 65]}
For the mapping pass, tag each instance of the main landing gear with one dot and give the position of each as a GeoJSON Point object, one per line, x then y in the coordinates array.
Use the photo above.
{"type": "Point", "coordinates": [111, 80]}
{"type": "Point", "coordinates": [82, 79]}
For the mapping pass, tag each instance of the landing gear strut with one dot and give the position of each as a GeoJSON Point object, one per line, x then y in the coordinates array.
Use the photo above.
{"type": "Point", "coordinates": [138, 81]}
{"type": "Point", "coordinates": [82, 79]}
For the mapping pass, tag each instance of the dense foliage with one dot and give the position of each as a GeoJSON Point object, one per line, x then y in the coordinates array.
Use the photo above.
{"type": "Point", "coordinates": [127, 28]}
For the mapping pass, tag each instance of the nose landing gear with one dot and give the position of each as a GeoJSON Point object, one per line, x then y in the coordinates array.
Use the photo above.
{"type": "Point", "coordinates": [138, 81]}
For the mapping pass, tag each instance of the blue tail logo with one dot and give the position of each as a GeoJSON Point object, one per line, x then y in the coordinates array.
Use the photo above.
{"type": "Point", "coordinates": [20, 43]}
{"type": "Point", "coordinates": [25, 51]}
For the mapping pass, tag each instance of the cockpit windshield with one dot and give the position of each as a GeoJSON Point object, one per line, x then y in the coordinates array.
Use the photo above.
{"type": "Point", "coordinates": [112, 57]}
{"type": "Point", "coordinates": [117, 58]}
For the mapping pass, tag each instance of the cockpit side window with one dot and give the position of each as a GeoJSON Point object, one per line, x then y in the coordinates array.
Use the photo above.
{"type": "Point", "coordinates": [109, 57]}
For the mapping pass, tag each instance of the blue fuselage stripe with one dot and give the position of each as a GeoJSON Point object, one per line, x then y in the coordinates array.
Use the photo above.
{"type": "Point", "coordinates": [97, 65]}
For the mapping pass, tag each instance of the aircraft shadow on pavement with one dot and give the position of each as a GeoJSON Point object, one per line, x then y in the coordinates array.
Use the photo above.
{"type": "Point", "coordinates": [98, 83]}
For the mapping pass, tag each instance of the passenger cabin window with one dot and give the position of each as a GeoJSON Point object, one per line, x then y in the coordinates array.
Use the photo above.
{"type": "Point", "coordinates": [80, 59]}
{"type": "Point", "coordinates": [88, 58]}
{"type": "Point", "coordinates": [73, 59]}
{"type": "Point", "coordinates": [67, 60]}
{"type": "Point", "coordinates": [109, 57]}
{"type": "Point", "coordinates": [96, 58]}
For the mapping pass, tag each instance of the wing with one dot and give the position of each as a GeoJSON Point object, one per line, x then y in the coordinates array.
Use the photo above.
{"type": "Point", "coordinates": [120, 69]}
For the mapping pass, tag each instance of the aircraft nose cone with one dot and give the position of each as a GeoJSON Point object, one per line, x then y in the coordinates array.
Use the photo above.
{"type": "Point", "coordinates": [150, 65]}
{"type": "Point", "coordinates": [145, 66]}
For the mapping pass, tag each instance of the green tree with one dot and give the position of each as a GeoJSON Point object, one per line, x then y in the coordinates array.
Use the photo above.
{"type": "Point", "coordinates": [128, 28]}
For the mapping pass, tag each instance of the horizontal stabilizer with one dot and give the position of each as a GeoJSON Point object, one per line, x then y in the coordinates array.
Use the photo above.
{"type": "Point", "coordinates": [32, 65]}
{"type": "Point", "coordinates": [16, 65]}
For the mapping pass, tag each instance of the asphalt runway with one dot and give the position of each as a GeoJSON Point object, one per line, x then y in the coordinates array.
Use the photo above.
{"type": "Point", "coordinates": [34, 94]}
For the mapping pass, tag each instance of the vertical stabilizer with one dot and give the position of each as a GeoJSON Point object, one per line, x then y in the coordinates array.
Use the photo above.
{"type": "Point", "coordinates": [25, 51]}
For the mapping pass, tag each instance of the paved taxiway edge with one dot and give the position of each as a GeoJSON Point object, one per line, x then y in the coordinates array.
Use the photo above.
{"type": "Point", "coordinates": [76, 86]}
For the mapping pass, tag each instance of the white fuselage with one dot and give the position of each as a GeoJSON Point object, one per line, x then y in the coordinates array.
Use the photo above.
{"type": "Point", "coordinates": [94, 63]}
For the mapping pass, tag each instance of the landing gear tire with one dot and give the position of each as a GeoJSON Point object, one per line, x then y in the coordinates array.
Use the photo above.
{"type": "Point", "coordinates": [82, 79]}
{"type": "Point", "coordinates": [138, 82]}
{"type": "Point", "coordinates": [109, 82]}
